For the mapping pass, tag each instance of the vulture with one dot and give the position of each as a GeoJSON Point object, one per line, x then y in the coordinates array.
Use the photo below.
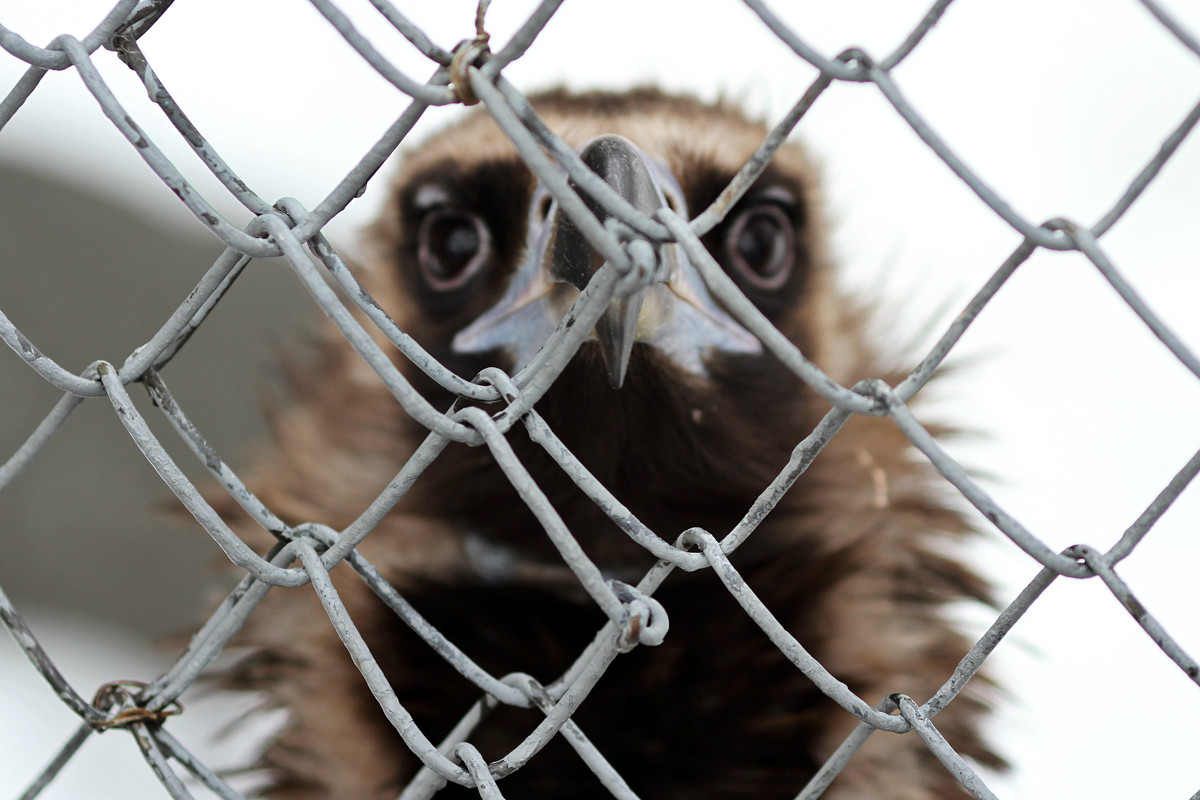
{"type": "Point", "coordinates": [684, 416]}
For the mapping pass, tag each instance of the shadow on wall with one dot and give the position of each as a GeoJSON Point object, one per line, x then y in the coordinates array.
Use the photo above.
{"type": "Point", "coordinates": [88, 527]}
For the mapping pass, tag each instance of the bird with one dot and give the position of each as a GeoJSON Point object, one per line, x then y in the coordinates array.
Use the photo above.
{"type": "Point", "coordinates": [683, 415]}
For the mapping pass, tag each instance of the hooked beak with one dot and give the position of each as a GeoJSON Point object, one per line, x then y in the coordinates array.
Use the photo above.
{"type": "Point", "coordinates": [674, 314]}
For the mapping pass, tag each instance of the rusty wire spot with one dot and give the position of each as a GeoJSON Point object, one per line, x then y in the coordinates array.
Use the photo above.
{"type": "Point", "coordinates": [470, 53]}
{"type": "Point", "coordinates": [123, 696]}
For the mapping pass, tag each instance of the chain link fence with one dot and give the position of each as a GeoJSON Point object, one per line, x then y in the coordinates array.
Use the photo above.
{"type": "Point", "coordinates": [462, 74]}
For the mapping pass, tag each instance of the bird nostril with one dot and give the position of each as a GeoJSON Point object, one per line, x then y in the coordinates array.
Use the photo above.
{"type": "Point", "coordinates": [674, 202]}
{"type": "Point", "coordinates": [543, 208]}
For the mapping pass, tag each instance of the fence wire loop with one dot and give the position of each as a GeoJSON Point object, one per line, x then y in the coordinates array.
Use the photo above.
{"type": "Point", "coordinates": [638, 249]}
{"type": "Point", "coordinates": [122, 704]}
{"type": "Point", "coordinates": [647, 622]}
{"type": "Point", "coordinates": [469, 53]}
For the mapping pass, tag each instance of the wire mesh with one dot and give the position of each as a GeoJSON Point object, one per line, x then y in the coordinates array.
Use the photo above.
{"type": "Point", "coordinates": [306, 553]}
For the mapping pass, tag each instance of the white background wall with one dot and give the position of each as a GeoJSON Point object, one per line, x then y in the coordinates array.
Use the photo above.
{"type": "Point", "coordinates": [1056, 103]}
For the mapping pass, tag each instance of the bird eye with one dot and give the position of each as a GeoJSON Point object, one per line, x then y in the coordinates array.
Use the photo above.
{"type": "Point", "coordinates": [452, 245]}
{"type": "Point", "coordinates": [761, 245]}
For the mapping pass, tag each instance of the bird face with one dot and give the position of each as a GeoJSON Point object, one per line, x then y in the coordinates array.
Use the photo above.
{"type": "Point", "coordinates": [494, 262]}
{"type": "Point", "coordinates": [671, 403]}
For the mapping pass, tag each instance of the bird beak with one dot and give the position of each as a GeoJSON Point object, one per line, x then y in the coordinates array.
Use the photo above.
{"type": "Point", "coordinates": [674, 314]}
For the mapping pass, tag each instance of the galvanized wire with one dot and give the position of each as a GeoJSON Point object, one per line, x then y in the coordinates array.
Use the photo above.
{"type": "Point", "coordinates": [306, 553]}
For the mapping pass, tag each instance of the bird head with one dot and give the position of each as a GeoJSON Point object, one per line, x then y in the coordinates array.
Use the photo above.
{"type": "Point", "coordinates": [492, 262]}
{"type": "Point", "coordinates": [478, 261]}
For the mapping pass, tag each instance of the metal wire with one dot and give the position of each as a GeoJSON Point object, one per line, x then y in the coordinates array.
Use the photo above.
{"type": "Point", "coordinates": [306, 553]}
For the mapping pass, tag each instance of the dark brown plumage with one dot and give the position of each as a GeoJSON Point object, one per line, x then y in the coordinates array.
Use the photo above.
{"type": "Point", "coordinates": [852, 560]}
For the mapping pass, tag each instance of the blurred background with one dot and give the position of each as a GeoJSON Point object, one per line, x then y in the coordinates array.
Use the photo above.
{"type": "Point", "coordinates": [1083, 417]}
